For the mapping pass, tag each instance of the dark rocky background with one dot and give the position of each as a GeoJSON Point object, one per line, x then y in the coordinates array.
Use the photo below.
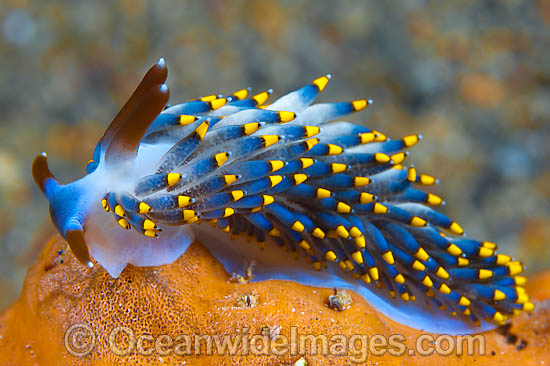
{"type": "Point", "coordinates": [472, 76]}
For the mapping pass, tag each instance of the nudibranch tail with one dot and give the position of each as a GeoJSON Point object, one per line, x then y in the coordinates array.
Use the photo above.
{"type": "Point", "coordinates": [336, 194]}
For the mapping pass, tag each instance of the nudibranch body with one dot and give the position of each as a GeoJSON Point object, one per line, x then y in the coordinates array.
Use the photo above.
{"type": "Point", "coordinates": [336, 195]}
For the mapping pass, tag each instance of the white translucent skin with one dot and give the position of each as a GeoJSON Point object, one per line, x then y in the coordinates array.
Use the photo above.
{"type": "Point", "coordinates": [109, 244]}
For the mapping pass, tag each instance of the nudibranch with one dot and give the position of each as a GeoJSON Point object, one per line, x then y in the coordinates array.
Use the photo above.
{"type": "Point", "coordinates": [336, 196]}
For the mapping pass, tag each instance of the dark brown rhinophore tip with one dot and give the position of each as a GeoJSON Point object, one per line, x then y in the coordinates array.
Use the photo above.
{"type": "Point", "coordinates": [40, 171]}
{"type": "Point", "coordinates": [155, 76]}
{"type": "Point", "coordinates": [78, 246]}
{"type": "Point", "coordinates": [125, 143]}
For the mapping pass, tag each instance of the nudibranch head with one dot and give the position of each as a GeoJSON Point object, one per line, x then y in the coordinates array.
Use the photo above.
{"type": "Point", "coordinates": [336, 194]}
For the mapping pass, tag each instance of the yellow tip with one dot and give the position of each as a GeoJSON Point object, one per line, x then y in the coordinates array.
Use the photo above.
{"type": "Point", "coordinates": [311, 142]}
{"type": "Point", "coordinates": [442, 273]}
{"type": "Point", "coordinates": [484, 274]}
{"type": "Point", "coordinates": [427, 281]}
{"type": "Point", "coordinates": [411, 175]}
{"type": "Point", "coordinates": [260, 98]}
{"type": "Point", "coordinates": [299, 178]}
{"type": "Point", "coordinates": [367, 137]}
{"type": "Point", "coordinates": [379, 208]}
{"type": "Point", "coordinates": [119, 210]}
{"type": "Point", "coordinates": [342, 232]}
{"type": "Point", "coordinates": [150, 233]}
{"type": "Point", "coordinates": [520, 280]}
{"type": "Point", "coordinates": [417, 222]}
{"type": "Point", "coordinates": [365, 198]}
{"type": "Point", "coordinates": [228, 211]}
{"type": "Point", "coordinates": [453, 249]}
{"type": "Point", "coordinates": [410, 140]}
{"type": "Point", "coordinates": [503, 259]}
{"type": "Point", "coordinates": [445, 289]}
{"type": "Point", "coordinates": [241, 94]}
{"type": "Point", "coordinates": [218, 103]}
{"type": "Point", "coordinates": [455, 228]}
{"type": "Point", "coordinates": [237, 195]}
{"type": "Point", "coordinates": [297, 226]}
{"type": "Point", "coordinates": [359, 104]}
{"type": "Point", "coordinates": [499, 295]}
{"type": "Point", "coordinates": [229, 178]}
{"type": "Point", "coordinates": [373, 272]}
{"type": "Point", "coordinates": [250, 128]}
{"type": "Point", "coordinates": [338, 167]}
{"type": "Point", "coordinates": [357, 257]}
{"type": "Point", "coordinates": [489, 244]}
{"type": "Point", "coordinates": [434, 200]}
{"type": "Point", "coordinates": [485, 252]}
{"type": "Point", "coordinates": [360, 242]}
{"type": "Point", "coordinates": [528, 306]}
{"type": "Point", "coordinates": [330, 255]}
{"type": "Point", "coordinates": [124, 223]}
{"type": "Point", "coordinates": [398, 158]}
{"type": "Point", "coordinates": [201, 130]}
{"type": "Point", "coordinates": [143, 208]}
{"type": "Point", "coordinates": [355, 232]}
{"type": "Point", "coordinates": [379, 136]}
{"type": "Point", "coordinates": [334, 149]}
{"type": "Point", "coordinates": [318, 233]}
{"type": "Point", "coordinates": [342, 207]}
{"type": "Point", "coordinates": [268, 199]}
{"type": "Point", "coordinates": [149, 225]}
{"type": "Point", "coordinates": [499, 318]}
{"type": "Point", "coordinates": [304, 245]}
{"type": "Point", "coordinates": [427, 180]}
{"type": "Point", "coordinates": [221, 158]}
{"type": "Point", "coordinates": [311, 131]}
{"type": "Point", "coordinates": [422, 255]}
{"type": "Point", "coordinates": [208, 98]}
{"type": "Point", "coordinates": [321, 82]}
{"type": "Point", "coordinates": [183, 201]}
{"type": "Point", "coordinates": [388, 257]}
{"type": "Point", "coordinates": [399, 278]}
{"type": "Point", "coordinates": [172, 178]}
{"type": "Point", "coordinates": [186, 119]}
{"type": "Point", "coordinates": [381, 158]}
{"type": "Point", "coordinates": [268, 140]}
{"type": "Point", "coordinates": [306, 162]}
{"type": "Point", "coordinates": [275, 179]}
{"type": "Point", "coordinates": [514, 268]}
{"type": "Point", "coordinates": [361, 181]}
{"type": "Point", "coordinates": [418, 266]}
{"type": "Point", "coordinates": [188, 214]}
{"type": "Point", "coordinates": [276, 165]}
{"type": "Point", "coordinates": [285, 116]}
{"type": "Point", "coordinates": [323, 193]}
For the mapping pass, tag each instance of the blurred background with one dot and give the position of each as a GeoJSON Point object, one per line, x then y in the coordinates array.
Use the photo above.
{"type": "Point", "coordinates": [472, 76]}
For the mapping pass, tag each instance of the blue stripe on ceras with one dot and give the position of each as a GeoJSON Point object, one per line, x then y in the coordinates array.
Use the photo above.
{"type": "Point", "coordinates": [249, 170]}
